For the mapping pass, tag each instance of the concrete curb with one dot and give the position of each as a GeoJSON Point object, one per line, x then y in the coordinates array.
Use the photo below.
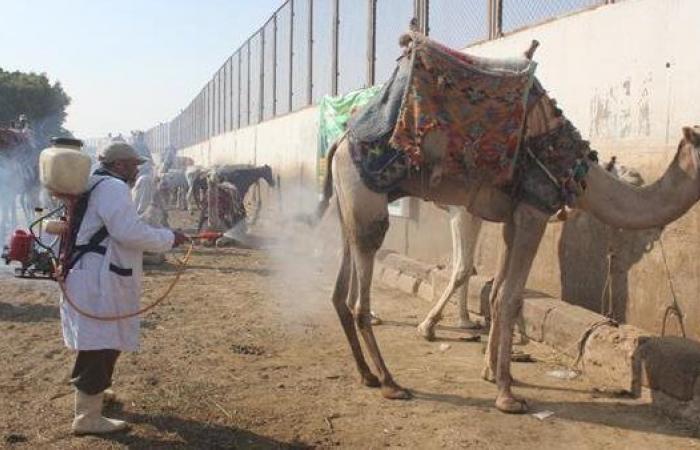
{"type": "Point", "coordinates": [618, 358]}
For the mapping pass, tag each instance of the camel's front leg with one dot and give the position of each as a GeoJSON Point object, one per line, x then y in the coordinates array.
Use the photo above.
{"type": "Point", "coordinates": [529, 228]}
{"type": "Point", "coordinates": [364, 264]}
{"type": "Point", "coordinates": [465, 230]}
{"type": "Point", "coordinates": [491, 359]}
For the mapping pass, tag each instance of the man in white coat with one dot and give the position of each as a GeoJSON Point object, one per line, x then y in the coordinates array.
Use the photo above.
{"type": "Point", "coordinates": [105, 281]}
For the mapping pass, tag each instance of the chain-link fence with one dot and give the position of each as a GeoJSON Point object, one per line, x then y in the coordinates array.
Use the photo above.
{"type": "Point", "coordinates": [392, 19]}
{"type": "Point", "coordinates": [301, 43]}
{"type": "Point", "coordinates": [311, 48]}
{"type": "Point", "coordinates": [457, 23]}
{"type": "Point", "coordinates": [518, 14]}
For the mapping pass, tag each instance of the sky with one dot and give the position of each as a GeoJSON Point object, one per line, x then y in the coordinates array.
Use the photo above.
{"type": "Point", "coordinates": [126, 64]}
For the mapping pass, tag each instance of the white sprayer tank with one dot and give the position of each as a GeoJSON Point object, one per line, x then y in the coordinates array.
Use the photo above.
{"type": "Point", "coordinates": [63, 168]}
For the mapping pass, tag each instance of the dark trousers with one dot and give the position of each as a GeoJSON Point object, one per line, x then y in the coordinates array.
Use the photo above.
{"type": "Point", "coordinates": [92, 372]}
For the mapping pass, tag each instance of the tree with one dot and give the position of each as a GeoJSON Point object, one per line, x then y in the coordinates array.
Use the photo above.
{"type": "Point", "coordinates": [32, 94]}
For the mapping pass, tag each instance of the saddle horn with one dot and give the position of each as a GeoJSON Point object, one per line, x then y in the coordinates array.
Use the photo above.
{"type": "Point", "coordinates": [531, 51]}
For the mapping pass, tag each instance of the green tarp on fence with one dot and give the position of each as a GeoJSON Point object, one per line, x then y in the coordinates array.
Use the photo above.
{"type": "Point", "coordinates": [335, 112]}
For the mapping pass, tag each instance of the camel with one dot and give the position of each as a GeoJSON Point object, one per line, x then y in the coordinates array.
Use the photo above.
{"type": "Point", "coordinates": [233, 183]}
{"type": "Point", "coordinates": [173, 187]}
{"type": "Point", "coordinates": [243, 177]}
{"type": "Point", "coordinates": [364, 221]}
{"type": "Point", "coordinates": [196, 184]}
{"type": "Point", "coordinates": [465, 229]}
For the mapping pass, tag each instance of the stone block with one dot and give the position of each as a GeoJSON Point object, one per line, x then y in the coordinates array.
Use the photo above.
{"type": "Point", "coordinates": [609, 357]}
{"type": "Point", "coordinates": [425, 290]}
{"type": "Point", "coordinates": [677, 409]}
{"type": "Point", "coordinates": [478, 298]}
{"type": "Point", "coordinates": [439, 279]}
{"type": "Point", "coordinates": [407, 265]}
{"type": "Point", "coordinates": [407, 283]}
{"type": "Point", "coordinates": [565, 325]}
{"type": "Point", "coordinates": [534, 313]}
{"type": "Point", "coordinates": [378, 272]}
{"type": "Point", "coordinates": [671, 365]}
{"type": "Point", "coordinates": [390, 276]}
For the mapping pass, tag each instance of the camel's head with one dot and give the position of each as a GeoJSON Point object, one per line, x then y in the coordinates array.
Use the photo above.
{"type": "Point", "coordinates": [691, 136]}
{"type": "Point", "coordinates": [266, 173]}
{"type": "Point", "coordinates": [689, 149]}
{"type": "Point", "coordinates": [213, 177]}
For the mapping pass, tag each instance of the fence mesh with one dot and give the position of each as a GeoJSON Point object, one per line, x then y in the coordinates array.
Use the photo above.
{"type": "Point", "coordinates": [300, 54]}
{"type": "Point", "coordinates": [268, 70]}
{"type": "Point", "coordinates": [236, 91]}
{"type": "Point", "coordinates": [255, 74]}
{"type": "Point", "coordinates": [219, 99]}
{"type": "Point", "coordinates": [227, 97]}
{"type": "Point", "coordinates": [222, 99]}
{"type": "Point", "coordinates": [244, 82]}
{"type": "Point", "coordinates": [269, 75]}
{"type": "Point", "coordinates": [284, 29]}
{"type": "Point", "coordinates": [322, 49]}
{"type": "Point", "coordinates": [352, 45]}
{"type": "Point", "coordinates": [457, 23]}
{"type": "Point", "coordinates": [392, 19]}
{"type": "Point", "coordinates": [518, 14]}
{"type": "Point", "coordinates": [210, 109]}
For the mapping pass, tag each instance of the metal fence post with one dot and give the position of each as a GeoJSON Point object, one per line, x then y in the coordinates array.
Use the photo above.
{"type": "Point", "coordinates": [309, 57]}
{"type": "Point", "coordinates": [238, 90]}
{"type": "Point", "coordinates": [229, 100]}
{"type": "Point", "coordinates": [371, 41]}
{"type": "Point", "coordinates": [495, 19]}
{"type": "Point", "coordinates": [247, 109]}
{"type": "Point", "coordinates": [274, 65]}
{"type": "Point", "coordinates": [261, 90]}
{"type": "Point", "coordinates": [334, 47]}
{"type": "Point", "coordinates": [420, 12]}
{"type": "Point", "coordinates": [291, 55]}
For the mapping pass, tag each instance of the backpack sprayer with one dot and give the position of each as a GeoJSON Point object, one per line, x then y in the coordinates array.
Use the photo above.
{"type": "Point", "coordinates": [27, 247]}
{"type": "Point", "coordinates": [64, 170]}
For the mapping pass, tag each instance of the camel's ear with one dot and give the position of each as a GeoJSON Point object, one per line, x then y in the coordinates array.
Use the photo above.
{"type": "Point", "coordinates": [692, 135]}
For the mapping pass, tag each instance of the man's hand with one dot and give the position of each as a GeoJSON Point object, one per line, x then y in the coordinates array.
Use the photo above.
{"type": "Point", "coordinates": [180, 238]}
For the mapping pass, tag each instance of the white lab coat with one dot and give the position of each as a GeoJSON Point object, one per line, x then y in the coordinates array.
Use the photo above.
{"type": "Point", "coordinates": [100, 291]}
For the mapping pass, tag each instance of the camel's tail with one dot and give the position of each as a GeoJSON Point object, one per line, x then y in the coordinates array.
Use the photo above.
{"type": "Point", "coordinates": [328, 180]}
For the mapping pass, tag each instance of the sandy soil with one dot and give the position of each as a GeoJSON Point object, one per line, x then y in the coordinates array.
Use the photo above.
{"type": "Point", "coordinates": [247, 353]}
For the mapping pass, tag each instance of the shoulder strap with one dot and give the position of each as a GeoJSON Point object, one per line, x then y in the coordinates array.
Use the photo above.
{"type": "Point", "coordinates": [93, 245]}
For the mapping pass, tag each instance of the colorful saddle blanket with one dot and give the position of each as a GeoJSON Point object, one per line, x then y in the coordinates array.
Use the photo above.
{"type": "Point", "coordinates": [471, 111]}
{"type": "Point", "coordinates": [473, 107]}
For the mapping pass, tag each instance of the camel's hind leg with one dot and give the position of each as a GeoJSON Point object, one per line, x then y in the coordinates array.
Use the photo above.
{"type": "Point", "coordinates": [341, 292]}
{"type": "Point", "coordinates": [364, 264]}
{"type": "Point", "coordinates": [365, 219]}
{"type": "Point", "coordinates": [465, 229]}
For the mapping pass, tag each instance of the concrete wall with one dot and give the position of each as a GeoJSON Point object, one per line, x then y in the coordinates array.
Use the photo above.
{"type": "Point", "coordinates": [624, 74]}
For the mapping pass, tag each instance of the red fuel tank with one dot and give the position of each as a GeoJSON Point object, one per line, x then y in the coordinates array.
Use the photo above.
{"type": "Point", "coordinates": [20, 246]}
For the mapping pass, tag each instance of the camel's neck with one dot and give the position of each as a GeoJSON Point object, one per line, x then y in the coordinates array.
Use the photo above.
{"type": "Point", "coordinates": [248, 177]}
{"type": "Point", "coordinates": [625, 206]}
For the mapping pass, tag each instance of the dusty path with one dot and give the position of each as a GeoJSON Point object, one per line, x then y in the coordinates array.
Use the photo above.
{"type": "Point", "coordinates": [248, 353]}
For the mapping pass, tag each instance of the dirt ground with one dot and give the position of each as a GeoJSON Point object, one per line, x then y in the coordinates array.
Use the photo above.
{"type": "Point", "coordinates": [247, 352]}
